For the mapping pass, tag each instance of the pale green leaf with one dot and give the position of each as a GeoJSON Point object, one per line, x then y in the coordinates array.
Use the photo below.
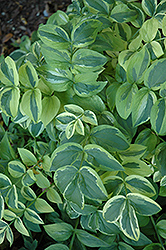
{"type": "Point", "coordinates": [27, 157]}
{"type": "Point", "coordinates": [16, 168]}
{"type": "Point", "coordinates": [28, 75]}
{"type": "Point", "coordinates": [42, 206]}
{"type": "Point", "coordinates": [59, 231]}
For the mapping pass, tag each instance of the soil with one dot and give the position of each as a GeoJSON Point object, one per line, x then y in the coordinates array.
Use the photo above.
{"type": "Point", "coordinates": [22, 17]}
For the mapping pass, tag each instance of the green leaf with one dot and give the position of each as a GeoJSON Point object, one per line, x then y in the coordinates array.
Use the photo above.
{"type": "Point", "coordinates": [53, 196]}
{"type": "Point", "coordinates": [59, 58]}
{"type": "Point", "coordinates": [139, 184]}
{"type": "Point", "coordinates": [79, 127]}
{"type": "Point", "coordinates": [58, 18]}
{"type": "Point", "coordinates": [42, 206]}
{"type": "Point", "coordinates": [85, 32]}
{"type": "Point", "coordinates": [54, 36]}
{"type": "Point", "coordinates": [109, 138]}
{"type": "Point", "coordinates": [113, 184]}
{"type": "Point", "coordinates": [5, 182]}
{"type": "Point", "coordinates": [135, 150]}
{"type": "Point", "coordinates": [129, 223]}
{"type": "Point", "coordinates": [156, 49]}
{"type": "Point", "coordinates": [29, 178]}
{"type": "Point", "coordinates": [1, 207]}
{"type": "Point", "coordinates": [143, 205]}
{"type": "Point", "coordinates": [90, 117]}
{"type": "Point", "coordinates": [122, 13]}
{"type": "Point", "coordinates": [16, 169]}
{"type": "Point", "coordinates": [155, 76]}
{"type": "Point", "coordinates": [85, 60]}
{"type": "Point", "coordinates": [137, 65]}
{"type": "Point", "coordinates": [149, 7]}
{"type": "Point", "coordinates": [31, 104]}
{"type": "Point", "coordinates": [160, 158]}
{"type": "Point", "coordinates": [142, 105]}
{"type": "Point", "coordinates": [55, 78]}
{"type": "Point", "coordinates": [90, 240]}
{"type": "Point", "coordinates": [9, 100]}
{"type": "Point", "coordinates": [161, 228]}
{"type": "Point", "coordinates": [135, 166]}
{"type": "Point", "coordinates": [124, 246]}
{"type": "Point", "coordinates": [8, 72]}
{"type": "Point", "coordinates": [9, 235]}
{"type": "Point", "coordinates": [70, 129]}
{"type": "Point", "coordinates": [163, 24]}
{"type": "Point", "coordinates": [91, 184]}
{"type": "Point", "coordinates": [143, 102]}
{"type": "Point", "coordinates": [28, 75]}
{"type": "Point", "coordinates": [158, 116]}
{"type": "Point", "coordinates": [32, 216]}
{"type": "Point", "coordinates": [143, 240]}
{"type": "Point", "coordinates": [65, 154]}
{"type": "Point", "coordinates": [147, 138]}
{"type": "Point", "coordinates": [111, 94]}
{"type": "Point", "coordinates": [96, 6]}
{"type": "Point", "coordinates": [9, 215]}
{"type": "Point", "coordinates": [113, 208]}
{"type": "Point", "coordinates": [27, 157]}
{"type": "Point", "coordinates": [105, 160]}
{"type": "Point", "coordinates": [7, 151]}
{"type": "Point", "coordinates": [59, 231]}
{"type": "Point", "coordinates": [64, 176]}
{"type": "Point", "coordinates": [124, 99]}
{"type": "Point", "coordinates": [74, 109]}
{"type": "Point", "coordinates": [73, 193]}
{"type": "Point", "coordinates": [149, 29]}
{"type": "Point", "coordinates": [154, 246]}
{"type": "Point", "coordinates": [18, 224]}
{"type": "Point", "coordinates": [57, 246]}
{"type": "Point", "coordinates": [85, 84]}
{"type": "Point", "coordinates": [28, 193]}
{"type": "Point", "coordinates": [12, 197]}
{"type": "Point", "coordinates": [106, 227]}
{"type": "Point", "coordinates": [42, 180]}
{"type": "Point", "coordinates": [35, 129]}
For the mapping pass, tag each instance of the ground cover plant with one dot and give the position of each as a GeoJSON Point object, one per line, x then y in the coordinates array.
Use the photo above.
{"type": "Point", "coordinates": [82, 136]}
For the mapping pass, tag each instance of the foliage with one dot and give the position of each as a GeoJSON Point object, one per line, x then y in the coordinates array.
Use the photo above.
{"type": "Point", "coordinates": [82, 137]}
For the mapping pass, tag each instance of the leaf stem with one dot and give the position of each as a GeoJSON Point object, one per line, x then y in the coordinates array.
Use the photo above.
{"type": "Point", "coordinates": [73, 236]}
{"type": "Point", "coordinates": [158, 236]}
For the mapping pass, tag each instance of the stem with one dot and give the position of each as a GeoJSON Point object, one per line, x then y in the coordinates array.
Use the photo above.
{"type": "Point", "coordinates": [73, 236]}
{"type": "Point", "coordinates": [158, 236]}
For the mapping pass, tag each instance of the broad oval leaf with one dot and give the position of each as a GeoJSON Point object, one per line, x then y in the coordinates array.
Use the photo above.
{"type": "Point", "coordinates": [53, 196]}
{"type": "Point", "coordinates": [135, 150]}
{"type": "Point", "coordinates": [149, 6]}
{"type": "Point", "coordinates": [143, 204]}
{"type": "Point", "coordinates": [86, 59]}
{"type": "Point", "coordinates": [161, 227]}
{"type": "Point", "coordinates": [27, 157]}
{"type": "Point", "coordinates": [58, 18]}
{"type": "Point", "coordinates": [18, 224]}
{"type": "Point", "coordinates": [32, 216]}
{"type": "Point", "coordinates": [9, 100]}
{"type": "Point", "coordinates": [149, 29]}
{"type": "Point", "coordinates": [109, 138]}
{"type": "Point", "coordinates": [96, 6]}
{"type": "Point", "coordinates": [158, 116]}
{"type": "Point", "coordinates": [129, 223]}
{"type": "Point", "coordinates": [137, 65]}
{"type": "Point", "coordinates": [59, 231]}
{"type": "Point", "coordinates": [8, 72]}
{"type": "Point", "coordinates": [64, 176]}
{"type": "Point", "coordinates": [65, 154]}
{"type": "Point", "coordinates": [54, 36]}
{"type": "Point", "coordinates": [28, 75]}
{"type": "Point", "coordinates": [42, 206]}
{"type": "Point", "coordinates": [113, 208]}
{"type": "Point", "coordinates": [91, 184]}
{"type": "Point", "coordinates": [155, 76]}
{"type": "Point", "coordinates": [122, 13]}
{"type": "Point", "coordinates": [90, 240]}
{"type": "Point", "coordinates": [50, 107]}
{"type": "Point", "coordinates": [124, 99]}
{"type": "Point", "coordinates": [16, 169]}
{"type": "Point", "coordinates": [28, 193]}
{"type": "Point", "coordinates": [5, 182]}
{"type": "Point", "coordinates": [135, 166]}
{"type": "Point", "coordinates": [55, 78]}
{"type": "Point", "coordinates": [105, 160]}
{"type": "Point", "coordinates": [31, 104]}
{"type": "Point", "coordinates": [142, 105]}
{"type": "Point", "coordinates": [139, 184]}
{"type": "Point", "coordinates": [85, 32]}
{"type": "Point", "coordinates": [57, 247]}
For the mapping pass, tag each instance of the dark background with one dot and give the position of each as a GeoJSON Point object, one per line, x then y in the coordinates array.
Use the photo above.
{"type": "Point", "coordinates": [22, 17]}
